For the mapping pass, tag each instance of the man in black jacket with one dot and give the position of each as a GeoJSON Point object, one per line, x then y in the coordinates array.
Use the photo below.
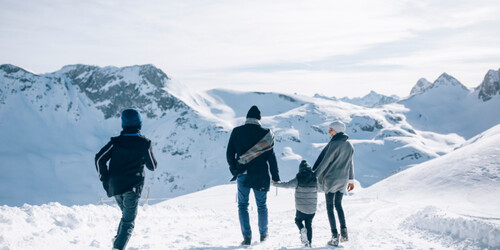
{"type": "Point", "coordinates": [253, 174]}
{"type": "Point", "coordinates": [124, 178]}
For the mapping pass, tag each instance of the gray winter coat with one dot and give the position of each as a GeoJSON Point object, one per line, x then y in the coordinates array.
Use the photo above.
{"type": "Point", "coordinates": [334, 167]}
{"type": "Point", "coordinates": [306, 191]}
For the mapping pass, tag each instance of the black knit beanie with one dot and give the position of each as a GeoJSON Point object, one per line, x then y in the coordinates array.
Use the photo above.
{"type": "Point", "coordinates": [254, 112]}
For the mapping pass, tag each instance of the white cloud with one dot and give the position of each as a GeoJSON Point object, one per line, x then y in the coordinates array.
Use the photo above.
{"type": "Point", "coordinates": [214, 43]}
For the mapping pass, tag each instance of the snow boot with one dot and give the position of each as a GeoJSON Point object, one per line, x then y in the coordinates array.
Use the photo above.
{"type": "Point", "coordinates": [303, 237]}
{"type": "Point", "coordinates": [246, 241]}
{"type": "Point", "coordinates": [263, 237]}
{"type": "Point", "coordinates": [343, 235]}
{"type": "Point", "coordinates": [334, 241]}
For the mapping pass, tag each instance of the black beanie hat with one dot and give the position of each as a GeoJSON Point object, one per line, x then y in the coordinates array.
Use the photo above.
{"type": "Point", "coordinates": [254, 112]}
{"type": "Point", "coordinates": [131, 118]}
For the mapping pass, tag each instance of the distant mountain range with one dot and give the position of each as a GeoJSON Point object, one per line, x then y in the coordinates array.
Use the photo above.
{"type": "Point", "coordinates": [486, 90]}
{"type": "Point", "coordinates": [53, 124]}
{"type": "Point", "coordinates": [371, 100]}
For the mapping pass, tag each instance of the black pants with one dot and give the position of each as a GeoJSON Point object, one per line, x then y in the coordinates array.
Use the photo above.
{"type": "Point", "coordinates": [307, 219]}
{"type": "Point", "coordinates": [330, 197]}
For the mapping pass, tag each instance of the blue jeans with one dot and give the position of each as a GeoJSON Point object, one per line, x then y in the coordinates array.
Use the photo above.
{"type": "Point", "coordinates": [128, 204]}
{"type": "Point", "coordinates": [260, 199]}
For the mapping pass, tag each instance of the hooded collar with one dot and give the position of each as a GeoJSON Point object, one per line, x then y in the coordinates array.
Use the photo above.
{"type": "Point", "coordinates": [306, 177]}
{"type": "Point", "coordinates": [340, 137]}
{"type": "Point", "coordinates": [131, 131]}
{"type": "Point", "coordinates": [253, 121]}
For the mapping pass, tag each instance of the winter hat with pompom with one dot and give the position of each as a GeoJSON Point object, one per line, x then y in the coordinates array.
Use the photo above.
{"type": "Point", "coordinates": [304, 164]}
{"type": "Point", "coordinates": [131, 118]}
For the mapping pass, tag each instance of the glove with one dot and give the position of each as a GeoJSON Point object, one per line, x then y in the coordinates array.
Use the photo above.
{"type": "Point", "coordinates": [234, 171]}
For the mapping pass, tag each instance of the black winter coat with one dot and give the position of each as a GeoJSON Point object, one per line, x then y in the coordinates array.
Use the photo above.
{"type": "Point", "coordinates": [242, 139]}
{"type": "Point", "coordinates": [127, 154]}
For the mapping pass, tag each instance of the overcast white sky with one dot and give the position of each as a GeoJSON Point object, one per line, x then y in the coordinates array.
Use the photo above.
{"type": "Point", "coordinates": [336, 48]}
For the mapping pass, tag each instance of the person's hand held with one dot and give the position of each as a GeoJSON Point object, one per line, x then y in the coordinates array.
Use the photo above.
{"type": "Point", "coordinates": [350, 187]}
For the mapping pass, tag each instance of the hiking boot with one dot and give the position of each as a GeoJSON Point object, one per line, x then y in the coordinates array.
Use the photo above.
{"type": "Point", "coordinates": [334, 241]}
{"type": "Point", "coordinates": [263, 237]}
{"type": "Point", "coordinates": [343, 235]}
{"type": "Point", "coordinates": [246, 241]}
{"type": "Point", "coordinates": [303, 237]}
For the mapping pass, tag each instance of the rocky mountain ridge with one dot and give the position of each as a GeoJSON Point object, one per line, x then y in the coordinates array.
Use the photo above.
{"type": "Point", "coordinates": [490, 87]}
{"type": "Point", "coordinates": [78, 108]}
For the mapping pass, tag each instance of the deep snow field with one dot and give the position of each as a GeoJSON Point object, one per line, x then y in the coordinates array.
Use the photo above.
{"type": "Point", "coordinates": [450, 202]}
{"type": "Point", "coordinates": [209, 220]}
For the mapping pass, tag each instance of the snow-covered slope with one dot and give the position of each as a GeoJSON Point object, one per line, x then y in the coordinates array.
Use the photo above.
{"type": "Point", "coordinates": [450, 202]}
{"type": "Point", "coordinates": [46, 145]}
{"type": "Point", "coordinates": [384, 141]}
{"type": "Point", "coordinates": [459, 181]}
{"type": "Point", "coordinates": [53, 124]}
{"type": "Point", "coordinates": [457, 195]}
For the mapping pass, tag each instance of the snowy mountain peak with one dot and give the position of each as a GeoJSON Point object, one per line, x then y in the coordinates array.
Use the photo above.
{"type": "Point", "coordinates": [447, 80]}
{"type": "Point", "coordinates": [10, 69]}
{"type": "Point", "coordinates": [113, 89]}
{"type": "Point", "coordinates": [79, 67]}
{"type": "Point", "coordinates": [140, 73]}
{"type": "Point", "coordinates": [372, 99]}
{"type": "Point", "coordinates": [333, 98]}
{"type": "Point", "coordinates": [420, 86]}
{"type": "Point", "coordinates": [444, 80]}
{"type": "Point", "coordinates": [14, 79]}
{"type": "Point", "coordinates": [490, 85]}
